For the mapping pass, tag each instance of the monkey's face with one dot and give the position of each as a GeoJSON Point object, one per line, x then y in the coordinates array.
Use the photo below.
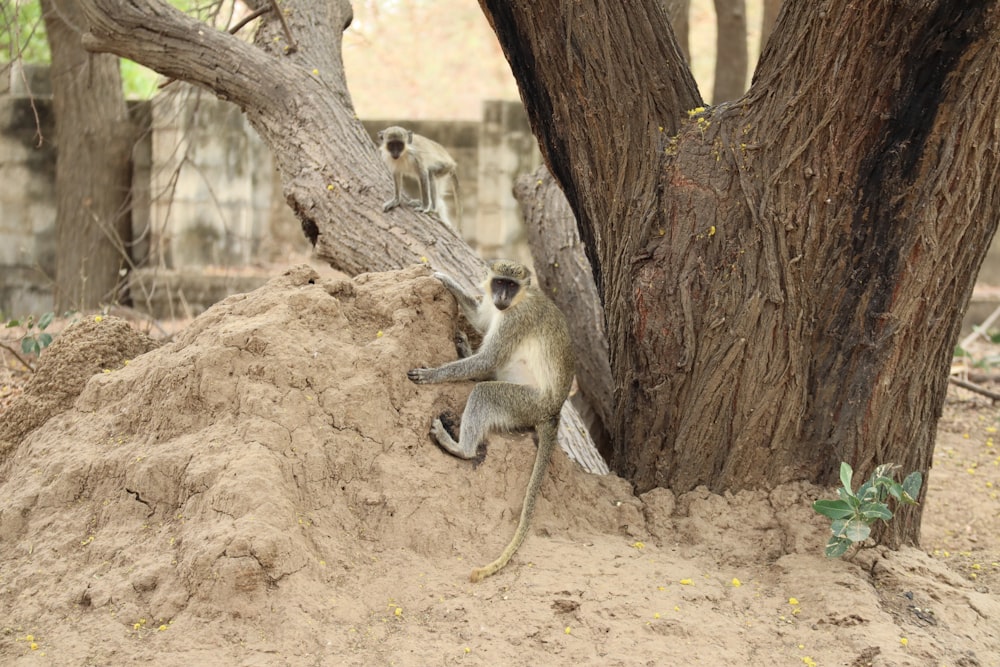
{"type": "Point", "coordinates": [504, 292]}
{"type": "Point", "coordinates": [395, 148]}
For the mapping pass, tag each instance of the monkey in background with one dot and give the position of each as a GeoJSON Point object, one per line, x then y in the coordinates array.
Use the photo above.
{"type": "Point", "coordinates": [525, 364]}
{"type": "Point", "coordinates": [410, 154]}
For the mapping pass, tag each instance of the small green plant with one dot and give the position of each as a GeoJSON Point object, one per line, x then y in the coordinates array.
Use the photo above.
{"type": "Point", "coordinates": [35, 339]}
{"type": "Point", "coordinates": [853, 515]}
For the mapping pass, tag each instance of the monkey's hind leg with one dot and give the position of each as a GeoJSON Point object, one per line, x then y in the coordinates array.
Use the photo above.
{"type": "Point", "coordinates": [492, 406]}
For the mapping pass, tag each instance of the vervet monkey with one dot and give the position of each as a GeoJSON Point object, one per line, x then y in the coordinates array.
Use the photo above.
{"type": "Point", "coordinates": [525, 363]}
{"type": "Point", "coordinates": [409, 154]}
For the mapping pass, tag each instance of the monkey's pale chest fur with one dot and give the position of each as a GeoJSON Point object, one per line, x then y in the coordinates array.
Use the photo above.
{"type": "Point", "coordinates": [406, 162]}
{"type": "Point", "coordinates": [526, 365]}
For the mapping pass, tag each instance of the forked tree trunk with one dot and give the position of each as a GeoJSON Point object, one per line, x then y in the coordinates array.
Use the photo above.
{"type": "Point", "coordinates": [783, 275]}
{"type": "Point", "coordinates": [93, 169]}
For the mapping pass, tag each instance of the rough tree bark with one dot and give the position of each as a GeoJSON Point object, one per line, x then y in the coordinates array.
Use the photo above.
{"type": "Point", "coordinates": [93, 170]}
{"type": "Point", "coordinates": [784, 275]}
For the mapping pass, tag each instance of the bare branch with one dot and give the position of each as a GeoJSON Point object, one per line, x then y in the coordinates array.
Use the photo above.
{"type": "Point", "coordinates": [178, 46]}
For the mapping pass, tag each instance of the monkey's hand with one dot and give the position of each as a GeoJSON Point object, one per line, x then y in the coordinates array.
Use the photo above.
{"type": "Point", "coordinates": [450, 283]}
{"type": "Point", "coordinates": [422, 375]}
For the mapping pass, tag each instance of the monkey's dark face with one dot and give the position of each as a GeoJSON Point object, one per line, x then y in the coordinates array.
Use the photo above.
{"type": "Point", "coordinates": [504, 292]}
{"type": "Point", "coordinates": [395, 148]}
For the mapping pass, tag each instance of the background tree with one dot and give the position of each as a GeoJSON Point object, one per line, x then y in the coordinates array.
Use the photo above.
{"type": "Point", "coordinates": [93, 167]}
{"type": "Point", "coordinates": [782, 275]}
{"type": "Point", "coordinates": [731, 51]}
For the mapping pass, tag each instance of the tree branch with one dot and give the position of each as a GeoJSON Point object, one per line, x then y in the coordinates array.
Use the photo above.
{"type": "Point", "coordinates": [178, 46]}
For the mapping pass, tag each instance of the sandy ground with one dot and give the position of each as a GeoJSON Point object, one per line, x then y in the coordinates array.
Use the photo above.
{"type": "Point", "coordinates": [261, 490]}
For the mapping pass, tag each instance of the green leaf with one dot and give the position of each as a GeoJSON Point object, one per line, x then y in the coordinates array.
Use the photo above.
{"type": "Point", "coordinates": [46, 320]}
{"type": "Point", "coordinates": [12, 323]}
{"type": "Point", "coordinates": [834, 509]}
{"type": "Point", "coordinates": [839, 526]}
{"type": "Point", "coordinates": [896, 491]}
{"type": "Point", "coordinates": [846, 473]}
{"type": "Point", "coordinates": [912, 484]}
{"type": "Point", "coordinates": [872, 511]}
{"type": "Point", "coordinates": [866, 491]}
{"type": "Point", "coordinates": [44, 340]}
{"type": "Point", "coordinates": [884, 481]}
{"type": "Point", "coordinates": [960, 352]}
{"type": "Point", "coordinates": [836, 547]}
{"type": "Point", "coordinates": [28, 344]}
{"type": "Point", "coordinates": [857, 531]}
{"type": "Point", "coordinates": [848, 497]}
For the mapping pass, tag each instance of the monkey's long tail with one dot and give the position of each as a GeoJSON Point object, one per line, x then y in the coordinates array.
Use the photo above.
{"type": "Point", "coordinates": [547, 433]}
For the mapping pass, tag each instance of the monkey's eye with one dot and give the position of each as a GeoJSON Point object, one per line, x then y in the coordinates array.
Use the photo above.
{"type": "Point", "coordinates": [503, 285]}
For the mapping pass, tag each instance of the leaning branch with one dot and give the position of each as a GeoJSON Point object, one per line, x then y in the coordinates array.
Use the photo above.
{"type": "Point", "coordinates": [179, 46]}
{"type": "Point", "coordinates": [18, 357]}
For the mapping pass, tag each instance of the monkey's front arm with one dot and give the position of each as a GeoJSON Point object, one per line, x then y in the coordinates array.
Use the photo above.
{"type": "Point", "coordinates": [468, 303]}
{"type": "Point", "coordinates": [479, 366]}
{"type": "Point", "coordinates": [397, 181]}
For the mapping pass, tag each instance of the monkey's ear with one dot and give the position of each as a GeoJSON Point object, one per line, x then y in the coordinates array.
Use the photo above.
{"type": "Point", "coordinates": [409, 137]}
{"type": "Point", "coordinates": [380, 135]}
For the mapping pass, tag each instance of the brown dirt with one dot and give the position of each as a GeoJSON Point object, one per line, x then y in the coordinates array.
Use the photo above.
{"type": "Point", "coordinates": [262, 491]}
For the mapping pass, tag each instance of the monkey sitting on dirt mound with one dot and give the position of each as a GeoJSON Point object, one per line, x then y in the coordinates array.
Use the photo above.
{"type": "Point", "coordinates": [525, 363]}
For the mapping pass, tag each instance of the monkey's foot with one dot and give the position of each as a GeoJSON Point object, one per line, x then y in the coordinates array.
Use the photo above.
{"type": "Point", "coordinates": [391, 204]}
{"type": "Point", "coordinates": [449, 422]}
{"type": "Point", "coordinates": [462, 345]}
{"type": "Point", "coordinates": [443, 432]}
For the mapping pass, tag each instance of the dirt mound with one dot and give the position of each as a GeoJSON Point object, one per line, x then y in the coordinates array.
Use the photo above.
{"type": "Point", "coordinates": [263, 491]}
{"type": "Point", "coordinates": [85, 348]}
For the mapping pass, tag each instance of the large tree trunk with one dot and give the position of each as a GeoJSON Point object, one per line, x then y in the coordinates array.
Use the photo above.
{"type": "Point", "coordinates": [94, 140]}
{"type": "Point", "coordinates": [783, 276]}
